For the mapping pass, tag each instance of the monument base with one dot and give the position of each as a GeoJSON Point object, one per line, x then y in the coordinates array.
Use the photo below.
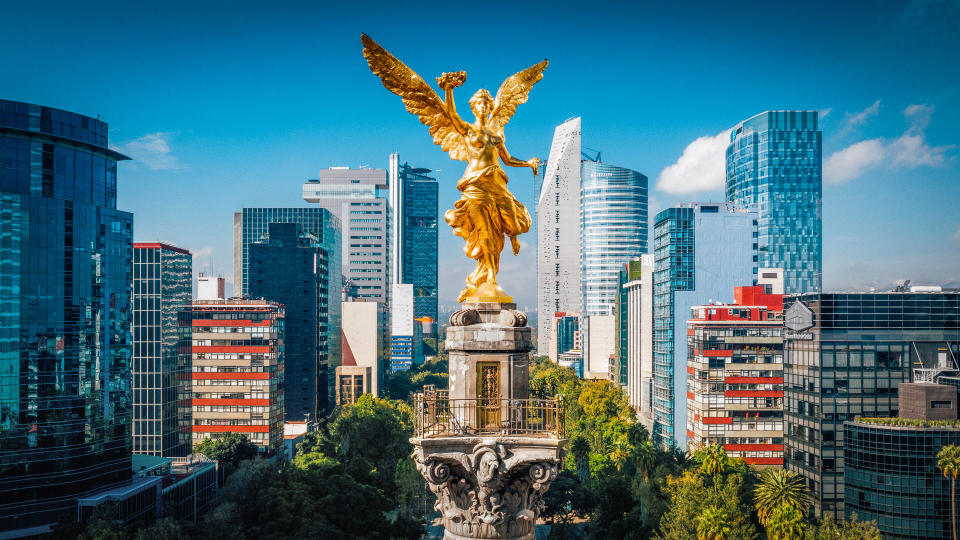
{"type": "Point", "coordinates": [489, 488]}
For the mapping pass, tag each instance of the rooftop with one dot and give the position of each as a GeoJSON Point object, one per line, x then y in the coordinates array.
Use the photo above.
{"type": "Point", "coordinates": [908, 422]}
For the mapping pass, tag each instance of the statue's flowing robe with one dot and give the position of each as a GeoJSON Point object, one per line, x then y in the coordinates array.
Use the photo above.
{"type": "Point", "coordinates": [485, 214]}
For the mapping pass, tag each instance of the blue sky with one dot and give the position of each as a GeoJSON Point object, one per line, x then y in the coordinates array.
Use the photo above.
{"type": "Point", "coordinates": [225, 105]}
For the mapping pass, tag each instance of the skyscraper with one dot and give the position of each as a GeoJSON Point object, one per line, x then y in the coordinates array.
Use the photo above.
{"type": "Point", "coordinates": [65, 341]}
{"type": "Point", "coordinates": [360, 199]}
{"type": "Point", "coordinates": [558, 232]}
{"type": "Point", "coordinates": [414, 209]}
{"type": "Point", "coordinates": [162, 287]}
{"type": "Point", "coordinates": [702, 251]}
{"type": "Point", "coordinates": [639, 329]}
{"type": "Point", "coordinates": [613, 230]}
{"type": "Point", "coordinates": [253, 224]}
{"type": "Point", "coordinates": [406, 332]}
{"type": "Point", "coordinates": [291, 267]}
{"type": "Point", "coordinates": [774, 166]}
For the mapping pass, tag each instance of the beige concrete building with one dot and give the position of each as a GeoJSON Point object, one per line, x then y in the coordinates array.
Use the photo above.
{"type": "Point", "coordinates": [365, 350]}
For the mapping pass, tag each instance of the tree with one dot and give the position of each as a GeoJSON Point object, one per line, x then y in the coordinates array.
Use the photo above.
{"type": "Point", "coordinates": [580, 450]}
{"type": "Point", "coordinates": [712, 525]}
{"type": "Point", "coordinates": [785, 523]}
{"type": "Point", "coordinates": [232, 448]}
{"type": "Point", "coordinates": [690, 496]}
{"type": "Point", "coordinates": [948, 461]}
{"type": "Point", "coordinates": [779, 487]}
{"type": "Point", "coordinates": [830, 529]}
{"type": "Point", "coordinates": [713, 460]}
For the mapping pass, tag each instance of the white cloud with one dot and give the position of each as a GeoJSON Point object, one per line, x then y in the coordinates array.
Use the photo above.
{"type": "Point", "coordinates": [850, 162]}
{"type": "Point", "coordinates": [825, 112]}
{"type": "Point", "coordinates": [701, 167]}
{"type": "Point", "coordinates": [851, 121]}
{"type": "Point", "coordinates": [909, 150]}
{"type": "Point", "coordinates": [918, 115]}
{"type": "Point", "coordinates": [153, 150]}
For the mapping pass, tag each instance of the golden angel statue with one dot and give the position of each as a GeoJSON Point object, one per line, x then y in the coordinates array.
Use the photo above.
{"type": "Point", "coordinates": [487, 212]}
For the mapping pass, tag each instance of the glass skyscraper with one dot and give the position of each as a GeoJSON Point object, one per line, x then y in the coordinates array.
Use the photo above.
{"type": "Point", "coordinates": [774, 166]}
{"type": "Point", "coordinates": [292, 268]}
{"type": "Point", "coordinates": [253, 224]}
{"type": "Point", "coordinates": [65, 314]}
{"type": "Point", "coordinates": [413, 199]}
{"type": "Point", "coordinates": [844, 357]}
{"type": "Point", "coordinates": [701, 252]}
{"type": "Point", "coordinates": [162, 287]}
{"type": "Point", "coordinates": [613, 225]}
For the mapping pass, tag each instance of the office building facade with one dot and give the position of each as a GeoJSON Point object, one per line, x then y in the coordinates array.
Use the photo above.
{"type": "Point", "coordinates": [735, 377]}
{"type": "Point", "coordinates": [701, 252]}
{"type": "Point", "coordinates": [237, 350]}
{"type": "Point", "coordinates": [774, 166]}
{"type": "Point", "coordinates": [406, 332]}
{"type": "Point", "coordinates": [613, 230]}
{"type": "Point", "coordinates": [291, 267]}
{"type": "Point", "coordinates": [566, 332]}
{"type": "Point", "coordinates": [210, 287]}
{"type": "Point", "coordinates": [359, 198]}
{"type": "Point", "coordinates": [414, 209]}
{"type": "Point", "coordinates": [890, 471]}
{"type": "Point", "coordinates": [844, 356]}
{"type": "Point", "coordinates": [558, 232]}
{"type": "Point", "coordinates": [629, 272]}
{"type": "Point", "coordinates": [162, 287]}
{"type": "Point", "coordinates": [366, 351]}
{"type": "Point", "coordinates": [65, 314]}
{"type": "Point", "coordinates": [253, 224]}
{"type": "Point", "coordinates": [637, 302]}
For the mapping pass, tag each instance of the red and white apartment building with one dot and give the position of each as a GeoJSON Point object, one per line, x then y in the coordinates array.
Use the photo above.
{"type": "Point", "coordinates": [237, 352]}
{"type": "Point", "coordinates": [735, 376]}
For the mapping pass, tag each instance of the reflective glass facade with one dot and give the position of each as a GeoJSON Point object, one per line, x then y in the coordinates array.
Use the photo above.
{"type": "Point", "coordinates": [65, 342]}
{"type": "Point", "coordinates": [848, 363]}
{"type": "Point", "coordinates": [701, 252]}
{"type": "Point", "coordinates": [891, 478]}
{"type": "Point", "coordinates": [613, 224]}
{"type": "Point", "coordinates": [774, 166]}
{"type": "Point", "coordinates": [162, 287]}
{"type": "Point", "coordinates": [291, 268]}
{"type": "Point", "coordinates": [417, 238]}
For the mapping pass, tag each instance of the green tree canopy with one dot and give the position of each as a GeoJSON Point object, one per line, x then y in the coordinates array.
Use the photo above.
{"type": "Point", "coordinates": [232, 448]}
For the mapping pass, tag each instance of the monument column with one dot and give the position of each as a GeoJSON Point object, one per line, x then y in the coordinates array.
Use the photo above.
{"type": "Point", "coordinates": [487, 451]}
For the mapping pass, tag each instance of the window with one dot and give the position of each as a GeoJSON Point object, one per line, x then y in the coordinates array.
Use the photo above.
{"type": "Point", "coordinates": [941, 405]}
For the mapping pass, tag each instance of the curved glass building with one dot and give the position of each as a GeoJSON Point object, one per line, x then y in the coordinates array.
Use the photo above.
{"type": "Point", "coordinates": [774, 166]}
{"type": "Point", "coordinates": [891, 477]}
{"type": "Point", "coordinates": [613, 225]}
{"type": "Point", "coordinates": [65, 313]}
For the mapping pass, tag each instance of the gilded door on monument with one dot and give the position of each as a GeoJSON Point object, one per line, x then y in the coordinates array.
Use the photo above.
{"type": "Point", "coordinates": [488, 395]}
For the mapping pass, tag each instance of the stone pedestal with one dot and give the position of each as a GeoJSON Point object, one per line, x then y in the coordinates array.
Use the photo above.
{"type": "Point", "coordinates": [487, 451]}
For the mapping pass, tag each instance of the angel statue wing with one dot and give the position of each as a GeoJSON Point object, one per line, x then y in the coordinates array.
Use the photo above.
{"type": "Point", "coordinates": [419, 98]}
{"type": "Point", "coordinates": [514, 91]}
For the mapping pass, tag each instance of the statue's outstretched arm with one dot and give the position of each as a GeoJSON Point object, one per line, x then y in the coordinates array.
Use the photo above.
{"type": "Point", "coordinates": [533, 163]}
{"type": "Point", "coordinates": [451, 107]}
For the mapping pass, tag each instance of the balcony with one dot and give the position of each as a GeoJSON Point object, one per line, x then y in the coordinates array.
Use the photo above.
{"type": "Point", "coordinates": [436, 416]}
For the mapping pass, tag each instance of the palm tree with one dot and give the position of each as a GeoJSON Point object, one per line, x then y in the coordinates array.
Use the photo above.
{"type": "Point", "coordinates": [620, 454]}
{"type": "Point", "coordinates": [580, 449]}
{"type": "Point", "coordinates": [714, 460]}
{"type": "Point", "coordinates": [778, 487]}
{"type": "Point", "coordinates": [948, 461]}
{"type": "Point", "coordinates": [786, 523]}
{"type": "Point", "coordinates": [712, 525]}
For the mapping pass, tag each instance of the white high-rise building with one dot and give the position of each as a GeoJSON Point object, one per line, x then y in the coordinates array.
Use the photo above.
{"type": "Point", "coordinates": [558, 231]}
{"type": "Point", "coordinates": [210, 287]}
{"type": "Point", "coordinates": [640, 341]}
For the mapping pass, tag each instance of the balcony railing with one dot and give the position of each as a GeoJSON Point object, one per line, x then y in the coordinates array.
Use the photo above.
{"type": "Point", "coordinates": [436, 415]}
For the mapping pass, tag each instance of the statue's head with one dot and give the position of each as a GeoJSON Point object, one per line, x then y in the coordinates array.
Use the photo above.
{"type": "Point", "coordinates": [481, 103]}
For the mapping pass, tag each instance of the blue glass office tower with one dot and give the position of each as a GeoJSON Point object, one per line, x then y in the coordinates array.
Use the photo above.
{"type": "Point", "coordinates": [701, 252]}
{"type": "Point", "coordinates": [774, 166]}
{"type": "Point", "coordinates": [413, 200]}
{"type": "Point", "coordinates": [613, 228]}
{"type": "Point", "coordinates": [162, 387]}
{"type": "Point", "coordinates": [65, 275]}
{"type": "Point", "coordinates": [253, 224]}
{"type": "Point", "coordinates": [292, 268]}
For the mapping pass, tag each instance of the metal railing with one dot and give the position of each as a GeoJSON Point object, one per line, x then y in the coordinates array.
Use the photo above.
{"type": "Point", "coordinates": [436, 415]}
